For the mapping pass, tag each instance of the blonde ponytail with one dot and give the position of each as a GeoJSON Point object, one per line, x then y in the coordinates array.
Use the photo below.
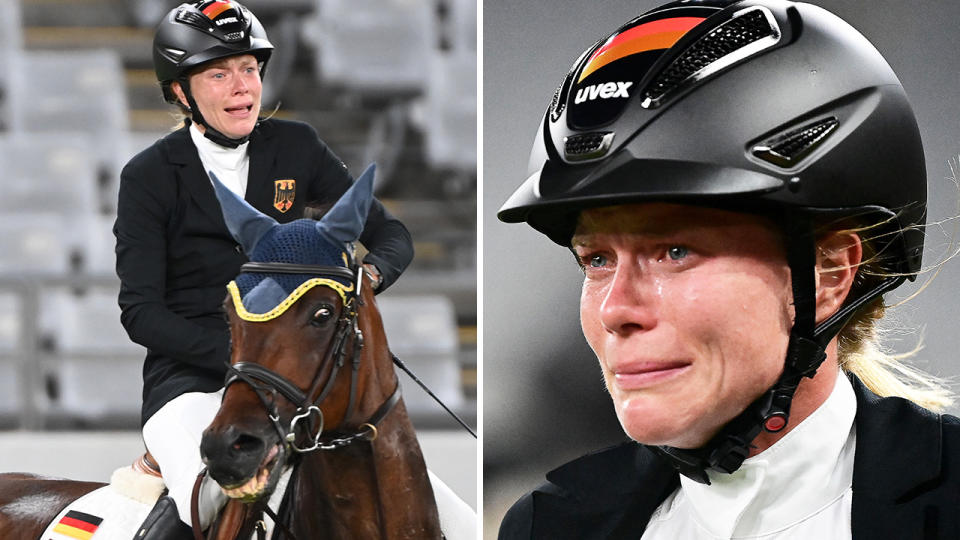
{"type": "Point", "coordinates": [885, 373]}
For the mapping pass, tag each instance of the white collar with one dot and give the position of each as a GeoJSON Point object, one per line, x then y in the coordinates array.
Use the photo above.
{"type": "Point", "coordinates": [802, 473]}
{"type": "Point", "coordinates": [213, 154]}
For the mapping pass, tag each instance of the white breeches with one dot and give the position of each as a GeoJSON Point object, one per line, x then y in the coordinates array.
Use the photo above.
{"type": "Point", "coordinates": [172, 435]}
{"type": "Point", "coordinates": [458, 520]}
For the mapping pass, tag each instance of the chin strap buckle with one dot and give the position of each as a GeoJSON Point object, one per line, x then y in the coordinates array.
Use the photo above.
{"type": "Point", "coordinates": [775, 421]}
{"type": "Point", "coordinates": [729, 455]}
{"type": "Point", "coordinates": [774, 411]}
{"type": "Point", "coordinates": [804, 356]}
{"type": "Point", "coordinates": [770, 413]}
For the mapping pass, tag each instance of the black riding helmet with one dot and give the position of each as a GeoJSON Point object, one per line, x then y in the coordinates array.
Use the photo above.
{"type": "Point", "coordinates": [198, 32]}
{"type": "Point", "coordinates": [765, 106]}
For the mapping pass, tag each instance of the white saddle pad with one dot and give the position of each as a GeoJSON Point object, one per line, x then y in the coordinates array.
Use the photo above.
{"type": "Point", "coordinates": [113, 512]}
{"type": "Point", "coordinates": [116, 511]}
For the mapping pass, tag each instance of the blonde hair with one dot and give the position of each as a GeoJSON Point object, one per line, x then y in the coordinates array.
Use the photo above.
{"type": "Point", "coordinates": [861, 352]}
{"type": "Point", "coordinates": [883, 372]}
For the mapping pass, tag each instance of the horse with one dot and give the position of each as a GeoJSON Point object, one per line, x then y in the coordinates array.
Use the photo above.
{"type": "Point", "coordinates": [347, 435]}
{"type": "Point", "coordinates": [310, 392]}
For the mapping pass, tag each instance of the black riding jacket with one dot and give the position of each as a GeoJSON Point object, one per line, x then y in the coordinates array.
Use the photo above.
{"type": "Point", "coordinates": [906, 483]}
{"type": "Point", "coordinates": [175, 255]}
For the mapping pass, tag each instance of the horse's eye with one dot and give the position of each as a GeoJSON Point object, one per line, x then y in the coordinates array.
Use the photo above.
{"type": "Point", "coordinates": [322, 315]}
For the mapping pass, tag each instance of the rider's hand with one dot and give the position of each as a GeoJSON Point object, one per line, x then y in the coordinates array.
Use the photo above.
{"type": "Point", "coordinates": [374, 274]}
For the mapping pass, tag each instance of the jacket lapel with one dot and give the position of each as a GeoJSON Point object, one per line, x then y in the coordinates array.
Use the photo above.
{"type": "Point", "coordinates": [193, 177]}
{"type": "Point", "coordinates": [898, 462]}
{"type": "Point", "coordinates": [262, 155]}
{"type": "Point", "coordinates": [601, 495]}
{"type": "Point", "coordinates": [898, 458]}
{"type": "Point", "coordinates": [182, 152]}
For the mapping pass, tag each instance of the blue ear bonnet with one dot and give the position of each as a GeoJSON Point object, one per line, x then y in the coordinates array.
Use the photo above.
{"type": "Point", "coordinates": [327, 242]}
{"type": "Point", "coordinates": [296, 242]}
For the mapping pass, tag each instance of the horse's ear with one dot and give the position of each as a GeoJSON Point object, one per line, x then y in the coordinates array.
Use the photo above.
{"type": "Point", "coordinates": [246, 223]}
{"type": "Point", "coordinates": [344, 222]}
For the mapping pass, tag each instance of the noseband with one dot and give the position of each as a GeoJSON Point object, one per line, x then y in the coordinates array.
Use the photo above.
{"type": "Point", "coordinates": [267, 384]}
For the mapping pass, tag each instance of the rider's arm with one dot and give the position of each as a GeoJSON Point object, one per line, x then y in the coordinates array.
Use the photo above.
{"type": "Point", "coordinates": [143, 210]}
{"type": "Point", "coordinates": [387, 240]}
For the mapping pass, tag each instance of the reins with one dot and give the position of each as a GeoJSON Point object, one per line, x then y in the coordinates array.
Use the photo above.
{"type": "Point", "coordinates": [406, 370]}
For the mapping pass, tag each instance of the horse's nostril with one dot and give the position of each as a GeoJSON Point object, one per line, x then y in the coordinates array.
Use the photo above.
{"type": "Point", "coordinates": [232, 456]}
{"type": "Point", "coordinates": [230, 444]}
{"type": "Point", "coordinates": [247, 444]}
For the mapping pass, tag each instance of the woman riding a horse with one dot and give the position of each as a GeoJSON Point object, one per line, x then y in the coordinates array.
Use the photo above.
{"type": "Point", "coordinates": [175, 257]}
{"type": "Point", "coordinates": [174, 254]}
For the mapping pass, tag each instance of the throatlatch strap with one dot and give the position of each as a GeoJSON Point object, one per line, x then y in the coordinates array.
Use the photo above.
{"type": "Point", "coordinates": [771, 411]}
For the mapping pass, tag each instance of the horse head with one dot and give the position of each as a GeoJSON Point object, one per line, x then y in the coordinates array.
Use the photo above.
{"type": "Point", "coordinates": [310, 368]}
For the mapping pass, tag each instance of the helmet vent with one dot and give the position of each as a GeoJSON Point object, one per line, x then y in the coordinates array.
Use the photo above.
{"type": "Point", "coordinates": [194, 19]}
{"type": "Point", "coordinates": [788, 149]}
{"type": "Point", "coordinates": [174, 54]}
{"type": "Point", "coordinates": [558, 104]}
{"type": "Point", "coordinates": [587, 146]}
{"type": "Point", "coordinates": [749, 31]}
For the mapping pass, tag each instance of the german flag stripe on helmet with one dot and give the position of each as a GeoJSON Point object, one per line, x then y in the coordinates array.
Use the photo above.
{"type": "Point", "coordinates": [651, 36]}
{"type": "Point", "coordinates": [216, 8]}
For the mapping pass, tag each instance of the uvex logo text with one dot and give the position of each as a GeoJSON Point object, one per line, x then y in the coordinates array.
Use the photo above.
{"type": "Point", "coordinates": [603, 91]}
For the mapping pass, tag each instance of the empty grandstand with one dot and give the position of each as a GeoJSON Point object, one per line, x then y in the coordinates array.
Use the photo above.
{"type": "Point", "coordinates": [390, 81]}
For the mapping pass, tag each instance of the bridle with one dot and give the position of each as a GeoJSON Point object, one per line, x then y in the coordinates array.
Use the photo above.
{"type": "Point", "coordinates": [347, 336]}
{"type": "Point", "coordinates": [266, 384]}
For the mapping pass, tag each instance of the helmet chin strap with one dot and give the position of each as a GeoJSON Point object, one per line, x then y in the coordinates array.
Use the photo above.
{"type": "Point", "coordinates": [209, 131]}
{"type": "Point", "coordinates": [726, 451]}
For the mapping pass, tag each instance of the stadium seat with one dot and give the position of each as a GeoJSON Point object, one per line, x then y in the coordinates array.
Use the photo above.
{"type": "Point", "coordinates": [34, 244]}
{"type": "Point", "coordinates": [450, 119]}
{"type": "Point", "coordinates": [10, 322]}
{"type": "Point", "coordinates": [422, 332]}
{"type": "Point", "coordinates": [92, 368]}
{"type": "Point", "coordinates": [72, 91]}
{"type": "Point", "coordinates": [375, 46]}
{"type": "Point", "coordinates": [48, 172]}
{"type": "Point", "coordinates": [147, 13]}
{"type": "Point", "coordinates": [15, 357]}
{"type": "Point", "coordinates": [10, 397]}
{"type": "Point", "coordinates": [463, 15]}
{"type": "Point", "coordinates": [69, 90]}
{"type": "Point", "coordinates": [100, 391]}
{"type": "Point", "coordinates": [98, 256]}
{"type": "Point", "coordinates": [11, 44]}
{"type": "Point", "coordinates": [87, 323]}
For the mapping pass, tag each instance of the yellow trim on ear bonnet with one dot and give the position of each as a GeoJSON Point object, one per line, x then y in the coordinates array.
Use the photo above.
{"type": "Point", "coordinates": [242, 312]}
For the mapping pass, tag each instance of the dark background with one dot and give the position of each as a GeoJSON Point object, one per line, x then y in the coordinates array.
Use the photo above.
{"type": "Point", "coordinates": [543, 396]}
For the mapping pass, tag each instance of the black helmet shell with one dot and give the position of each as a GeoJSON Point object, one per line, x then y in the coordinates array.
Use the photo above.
{"type": "Point", "coordinates": [198, 32]}
{"type": "Point", "coordinates": [758, 103]}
